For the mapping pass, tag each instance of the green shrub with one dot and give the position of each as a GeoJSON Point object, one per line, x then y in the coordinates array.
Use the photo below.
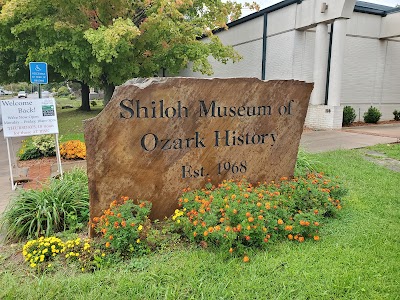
{"type": "Point", "coordinates": [396, 115]}
{"type": "Point", "coordinates": [349, 115]}
{"type": "Point", "coordinates": [63, 91]}
{"type": "Point", "coordinates": [236, 215]}
{"type": "Point", "coordinates": [372, 115]}
{"type": "Point", "coordinates": [61, 204]}
{"type": "Point", "coordinates": [124, 226]}
{"type": "Point", "coordinates": [93, 103]}
{"type": "Point", "coordinates": [37, 146]}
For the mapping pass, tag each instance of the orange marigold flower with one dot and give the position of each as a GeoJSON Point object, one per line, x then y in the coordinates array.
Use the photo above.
{"type": "Point", "coordinates": [116, 224]}
{"type": "Point", "coordinates": [108, 244]}
{"type": "Point", "coordinates": [280, 221]}
{"type": "Point", "coordinates": [258, 204]}
{"type": "Point", "coordinates": [203, 224]}
{"type": "Point", "coordinates": [123, 224]}
{"type": "Point", "coordinates": [316, 211]}
{"type": "Point", "coordinates": [221, 220]}
{"type": "Point", "coordinates": [247, 238]}
{"type": "Point", "coordinates": [104, 230]}
{"type": "Point", "coordinates": [235, 211]}
{"type": "Point", "coordinates": [205, 233]}
{"type": "Point", "coordinates": [119, 215]}
{"type": "Point", "coordinates": [260, 217]}
{"type": "Point", "coordinates": [266, 240]}
{"type": "Point", "coordinates": [248, 227]}
{"type": "Point", "coordinates": [248, 214]}
{"type": "Point", "coordinates": [210, 229]}
{"type": "Point", "coordinates": [301, 239]}
{"type": "Point", "coordinates": [302, 222]}
{"type": "Point", "coordinates": [227, 228]}
{"type": "Point", "coordinates": [288, 227]}
{"type": "Point", "coordinates": [316, 238]}
{"type": "Point", "coordinates": [246, 259]}
{"type": "Point", "coordinates": [316, 223]}
{"type": "Point", "coordinates": [290, 237]}
{"type": "Point", "coordinates": [230, 250]}
{"type": "Point", "coordinates": [239, 227]}
{"type": "Point", "coordinates": [251, 219]}
{"type": "Point", "coordinates": [233, 196]}
{"type": "Point", "coordinates": [195, 234]}
{"type": "Point", "coordinates": [246, 195]}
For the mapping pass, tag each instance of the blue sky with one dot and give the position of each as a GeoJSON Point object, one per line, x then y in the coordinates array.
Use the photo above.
{"type": "Point", "coordinates": [265, 3]}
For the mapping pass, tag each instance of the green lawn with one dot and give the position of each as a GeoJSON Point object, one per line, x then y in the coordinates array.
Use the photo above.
{"type": "Point", "coordinates": [358, 257]}
{"type": "Point", "coordinates": [70, 120]}
{"type": "Point", "coordinates": [391, 150]}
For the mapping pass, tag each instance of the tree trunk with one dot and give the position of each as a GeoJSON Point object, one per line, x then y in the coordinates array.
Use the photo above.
{"type": "Point", "coordinates": [108, 92]}
{"type": "Point", "coordinates": [85, 97]}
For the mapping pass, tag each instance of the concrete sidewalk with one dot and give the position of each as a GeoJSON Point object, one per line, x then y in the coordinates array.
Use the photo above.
{"type": "Point", "coordinates": [312, 141]}
{"type": "Point", "coordinates": [350, 137]}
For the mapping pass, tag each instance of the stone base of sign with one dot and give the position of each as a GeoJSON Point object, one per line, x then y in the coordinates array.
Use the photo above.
{"type": "Point", "coordinates": [159, 136]}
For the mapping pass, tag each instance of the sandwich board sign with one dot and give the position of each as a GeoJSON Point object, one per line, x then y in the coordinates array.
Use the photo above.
{"type": "Point", "coordinates": [28, 117]}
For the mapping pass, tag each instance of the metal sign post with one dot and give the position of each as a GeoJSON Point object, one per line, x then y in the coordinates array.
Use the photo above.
{"type": "Point", "coordinates": [13, 185]}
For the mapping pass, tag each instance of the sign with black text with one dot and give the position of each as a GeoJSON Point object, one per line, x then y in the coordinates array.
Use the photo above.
{"type": "Point", "coordinates": [26, 117]}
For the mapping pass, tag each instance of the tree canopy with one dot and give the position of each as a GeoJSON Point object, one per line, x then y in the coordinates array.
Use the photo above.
{"type": "Point", "coordinates": [106, 42]}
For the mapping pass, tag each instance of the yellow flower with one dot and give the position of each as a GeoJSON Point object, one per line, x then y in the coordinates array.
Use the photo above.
{"type": "Point", "coordinates": [138, 241]}
{"type": "Point", "coordinates": [140, 227]}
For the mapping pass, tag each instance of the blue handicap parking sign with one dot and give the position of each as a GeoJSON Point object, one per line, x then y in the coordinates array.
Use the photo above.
{"type": "Point", "coordinates": [38, 72]}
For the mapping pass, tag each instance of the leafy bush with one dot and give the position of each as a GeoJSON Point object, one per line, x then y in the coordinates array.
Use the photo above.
{"type": "Point", "coordinates": [93, 103]}
{"type": "Point", "coordinates": [124, 226]}
{"type": "Point", "coordinates": [37, 146]}
{"type": "Point", "coordinates": [63, 91]}
{"type": "Point", "coordinates": [349, 115]}
{"type": "Point", "coordinates": [73, 150]}
{"type": "Point", "coordinates": [42, 252]}
{"type": "Point", "coordinates": [62, 204]}
{"type": "Point", "coordinates": [396, 115]}
{"type": "Point", "coordinates": [372, 115]}
{"type": "Point", "coordinates": [236, 215]}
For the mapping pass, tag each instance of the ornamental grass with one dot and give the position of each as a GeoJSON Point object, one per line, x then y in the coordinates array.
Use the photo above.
{"type": "Point", "coordinates": [61, 204]}
{"type": "Point", "coordinates": [238, 215]}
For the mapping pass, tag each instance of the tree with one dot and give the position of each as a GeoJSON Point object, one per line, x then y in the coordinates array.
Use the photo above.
{"type": "Point", "coordinates": [106, 42]}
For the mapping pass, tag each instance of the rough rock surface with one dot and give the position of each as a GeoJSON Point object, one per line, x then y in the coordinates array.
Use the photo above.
{"type": "Point", "coordinates": [161, 135]}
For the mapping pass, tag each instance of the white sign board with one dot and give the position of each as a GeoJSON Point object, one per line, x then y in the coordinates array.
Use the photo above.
{"type": "Point", "coordinates": [29, 117]}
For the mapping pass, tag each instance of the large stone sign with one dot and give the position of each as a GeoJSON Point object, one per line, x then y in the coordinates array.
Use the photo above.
{"type": "Point", "coordinates": [162, 135]}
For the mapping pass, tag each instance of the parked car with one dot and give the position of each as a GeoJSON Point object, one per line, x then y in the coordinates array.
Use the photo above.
{"type": "Point", "coordinates": [46, 94]}
{"type": "Point", "coordinates": [5, 92]}
{"type": "Point", "coordinates": [22, 94]}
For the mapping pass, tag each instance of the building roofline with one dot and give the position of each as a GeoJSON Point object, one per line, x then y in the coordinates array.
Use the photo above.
{"type": "Point", "coordinates": [361, 6]}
